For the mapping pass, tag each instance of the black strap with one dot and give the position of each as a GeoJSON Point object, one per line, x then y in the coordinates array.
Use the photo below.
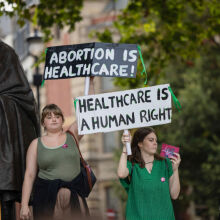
{"type": "Point", "coordinates": [130, 176]}
{"type": "Point", "coordinates": [83, 161]}
{"type": "Point", "coordinates": [166, 164]}
{"type": "Point", "coordinates": [132, 168]}
{"type": "Point", "coordinates": [167, 169]}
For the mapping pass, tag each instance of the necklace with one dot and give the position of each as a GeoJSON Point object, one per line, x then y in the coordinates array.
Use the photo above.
{"type": "Point", "coordinates": [149, 162]}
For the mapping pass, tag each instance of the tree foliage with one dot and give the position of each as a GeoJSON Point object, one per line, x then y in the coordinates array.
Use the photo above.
{"type": "Point", "coordinates": [196, 129]}
{"type": "Point", "coordinates": [46, 14]}
{"type": "Point", "coordinates": [167, 29]}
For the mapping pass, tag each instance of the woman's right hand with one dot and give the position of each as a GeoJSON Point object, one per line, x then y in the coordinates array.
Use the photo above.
{"type": "Point", "coordinates": [25, 213]}
{"type": "Point", "coordinates": [126, 138]}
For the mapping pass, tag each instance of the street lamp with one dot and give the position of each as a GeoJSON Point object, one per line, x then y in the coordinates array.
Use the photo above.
{"type": "Point", "coordinates": [35, 47]}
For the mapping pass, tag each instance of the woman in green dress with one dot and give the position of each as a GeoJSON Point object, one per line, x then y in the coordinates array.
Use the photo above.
{"type": "Point", "coordinates": [150, 180]}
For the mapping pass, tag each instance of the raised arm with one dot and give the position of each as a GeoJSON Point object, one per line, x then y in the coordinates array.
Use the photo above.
{"type": "Point", "coordinates": [174, 182]}
{"type": "Point", "coordinates": [123, 171]}
{"type": "Point", "coordinates": [74, 126]}
{"type": "Point", "coordinates": [30, 174]}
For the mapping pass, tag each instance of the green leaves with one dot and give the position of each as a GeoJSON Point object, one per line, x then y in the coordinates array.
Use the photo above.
{"type": "Point", "coordinates": [195, 129]}
{"type": "Point", "coordinates": [168, 30]}
{"type": "Point", "coordinates": [47, 14]}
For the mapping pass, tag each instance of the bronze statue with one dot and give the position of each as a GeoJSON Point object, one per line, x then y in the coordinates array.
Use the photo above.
{"type": "Point", "coordinates": [19, 125]}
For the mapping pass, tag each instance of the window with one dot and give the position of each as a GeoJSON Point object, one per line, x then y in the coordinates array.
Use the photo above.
{"type": "Point", "coordinates": [112, 203]}
{"type": "Point", "coordinates": [110, 141]}
{"type": "Point", "coordinates": [20, 44]}
{"type": "Point", "coordinates": [115, 5]}
{"type": "Point", "coordinates": [30, 3]}
{"type": "Point", "coordinates": [107, 84]}
{"type": "Point", "coordinates": [5, 26]}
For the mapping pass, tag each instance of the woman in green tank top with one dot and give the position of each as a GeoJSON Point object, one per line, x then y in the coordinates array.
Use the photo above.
{"type": "Point", "coordinates": [150, 180]}
{"type": "Point", "coordinates": [54, 159]}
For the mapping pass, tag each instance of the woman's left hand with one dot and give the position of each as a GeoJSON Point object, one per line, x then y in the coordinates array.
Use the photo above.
{"type": "Point", "coordinates": [175, 161]}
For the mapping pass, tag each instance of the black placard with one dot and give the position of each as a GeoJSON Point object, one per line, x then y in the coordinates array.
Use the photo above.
{"type": "Point", "coordinates": [91, 59]}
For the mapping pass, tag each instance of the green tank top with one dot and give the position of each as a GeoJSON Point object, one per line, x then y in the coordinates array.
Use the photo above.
{"type": "Point", "coordinates": [61, 162]}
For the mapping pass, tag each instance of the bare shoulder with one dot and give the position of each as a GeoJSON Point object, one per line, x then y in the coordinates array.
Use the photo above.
{"type": "Point", "coordinates": [33, 144]}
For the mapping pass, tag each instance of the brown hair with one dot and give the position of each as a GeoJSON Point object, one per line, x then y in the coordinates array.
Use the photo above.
{"type": "Point", "coordinates": [51, 108]}
{"type": "Point", "coordinates": [139, 136]}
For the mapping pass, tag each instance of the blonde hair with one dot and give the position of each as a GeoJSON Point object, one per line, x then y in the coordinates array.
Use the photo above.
{"type": "Point", "coordinates": [51, 108]}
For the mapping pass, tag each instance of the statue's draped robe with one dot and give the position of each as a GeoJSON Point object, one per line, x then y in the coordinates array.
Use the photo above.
{"type": "Point", "coordinates": [19, 123]}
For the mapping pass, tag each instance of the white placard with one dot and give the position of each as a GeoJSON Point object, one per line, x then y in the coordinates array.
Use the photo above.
{"type": "Point", "coordinates": [124, 110]}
